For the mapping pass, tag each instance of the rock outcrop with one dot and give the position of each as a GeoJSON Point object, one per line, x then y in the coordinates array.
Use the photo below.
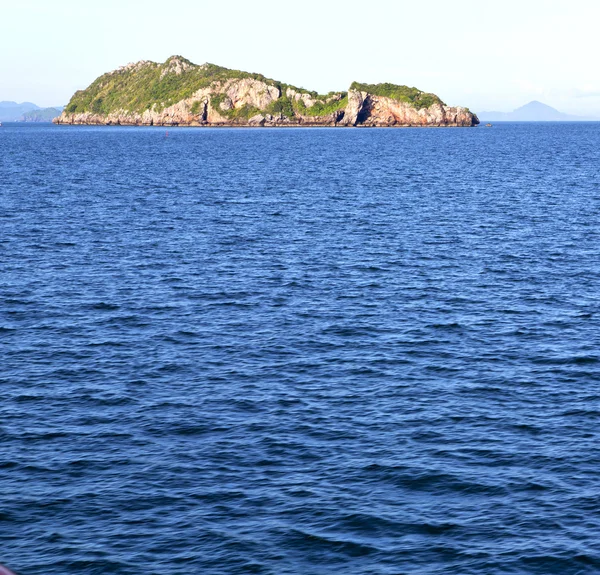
{"type": "Point", "coordinates": [369, 110]}
{"type": "Point", "coordinates": [356, 105]}
{"type": "Point", "coordinates": [179, 93]}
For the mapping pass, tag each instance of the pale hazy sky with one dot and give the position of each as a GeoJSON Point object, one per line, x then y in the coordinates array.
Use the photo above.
{"type": "Point", "coordinates": [488, 55]}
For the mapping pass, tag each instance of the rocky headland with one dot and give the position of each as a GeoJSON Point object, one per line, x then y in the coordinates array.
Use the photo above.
{"type": "Point", "coordinates": [179, 93]}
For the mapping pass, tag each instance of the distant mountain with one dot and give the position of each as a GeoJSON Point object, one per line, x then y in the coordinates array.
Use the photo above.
{"type": "Point", "coordinates": [12, 112]}
{"type": "Point", "coordinates": [533, 112]}
{"type": "Point", "coordinates": [41, 115]}
{"type": "Point", "coordinates": [7, 104]}
{"type": "Point", "coordinates": [27, 112]}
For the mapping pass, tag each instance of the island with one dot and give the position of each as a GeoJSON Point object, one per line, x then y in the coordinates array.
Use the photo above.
{"type": "Point", "coordinates": [180, 93]}
{"type": "Point", "coordinates": [40, 115]}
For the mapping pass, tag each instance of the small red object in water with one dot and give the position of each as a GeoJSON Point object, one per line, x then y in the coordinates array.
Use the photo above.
{"type": "Point", "coordinates": [166, 136]}
{"type": "Point", "coordinates": [5, 571]}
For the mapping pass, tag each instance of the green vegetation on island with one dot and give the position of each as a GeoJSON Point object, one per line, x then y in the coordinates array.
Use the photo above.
{"type": "Point", "coordinates": [411, 96]}
{"type": "Point", "coordinates": [178, 92]}
{"type": "Point", "coordinates": [148, 85]}
{"type": "Point", "coordinates": [151, 86]}
{"type": "Point", "coordinates": [323, 108]}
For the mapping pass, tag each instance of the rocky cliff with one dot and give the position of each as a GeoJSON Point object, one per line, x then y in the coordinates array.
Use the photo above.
{"type": "Point", "coordinates": [179, 93]}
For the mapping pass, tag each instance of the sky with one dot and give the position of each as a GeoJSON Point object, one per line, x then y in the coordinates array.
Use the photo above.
{"type": "Point", "coordinates": [484, 54]}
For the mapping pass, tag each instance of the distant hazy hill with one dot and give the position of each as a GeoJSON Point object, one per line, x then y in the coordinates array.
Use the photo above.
{"type": "Point", "coordinates": [41, 115]}
{"type": "Point", "coordinates": [12, 112]}
{"type": "Point", "coordinates": [27, 112]}
{"type": "Point", "coordinates": [533, 112]}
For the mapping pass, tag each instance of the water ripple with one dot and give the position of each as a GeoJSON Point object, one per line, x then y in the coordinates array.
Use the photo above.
{"type": "Point", "coordinates": [221, 356]}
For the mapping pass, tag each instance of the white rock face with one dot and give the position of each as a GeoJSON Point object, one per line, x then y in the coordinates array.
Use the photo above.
{"type": "Point", "coordinates": [257, 120]}
{"type": "Point", "coordinates": [226, 104]}
{"type": "Point", "coordinates": [355, 105]}
{"type": "Point", "coordinates": [306, 98]}
{"type": "Point", "coordinates": [250, 92]}
{"type": "Point", "coordinates": [175, 65]}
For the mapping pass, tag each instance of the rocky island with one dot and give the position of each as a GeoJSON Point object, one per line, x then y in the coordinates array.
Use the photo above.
{"type": "Point", "coordinates": [180, 93]}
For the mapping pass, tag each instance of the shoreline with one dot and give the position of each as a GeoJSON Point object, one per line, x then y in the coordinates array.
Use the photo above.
{"type": "Point", "coordinates": [255, 126]}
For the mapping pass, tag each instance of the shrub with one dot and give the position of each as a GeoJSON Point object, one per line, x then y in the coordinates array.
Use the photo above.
{"type": "Point", "coordinates": [411, 96]}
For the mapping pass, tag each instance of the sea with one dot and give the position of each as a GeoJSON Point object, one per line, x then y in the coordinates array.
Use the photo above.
{"type": "Point", "coordinates": [300, 351]}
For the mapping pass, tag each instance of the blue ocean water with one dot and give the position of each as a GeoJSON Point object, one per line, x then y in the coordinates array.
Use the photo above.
{"type": "Point", "coordinates": [301, 351]}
